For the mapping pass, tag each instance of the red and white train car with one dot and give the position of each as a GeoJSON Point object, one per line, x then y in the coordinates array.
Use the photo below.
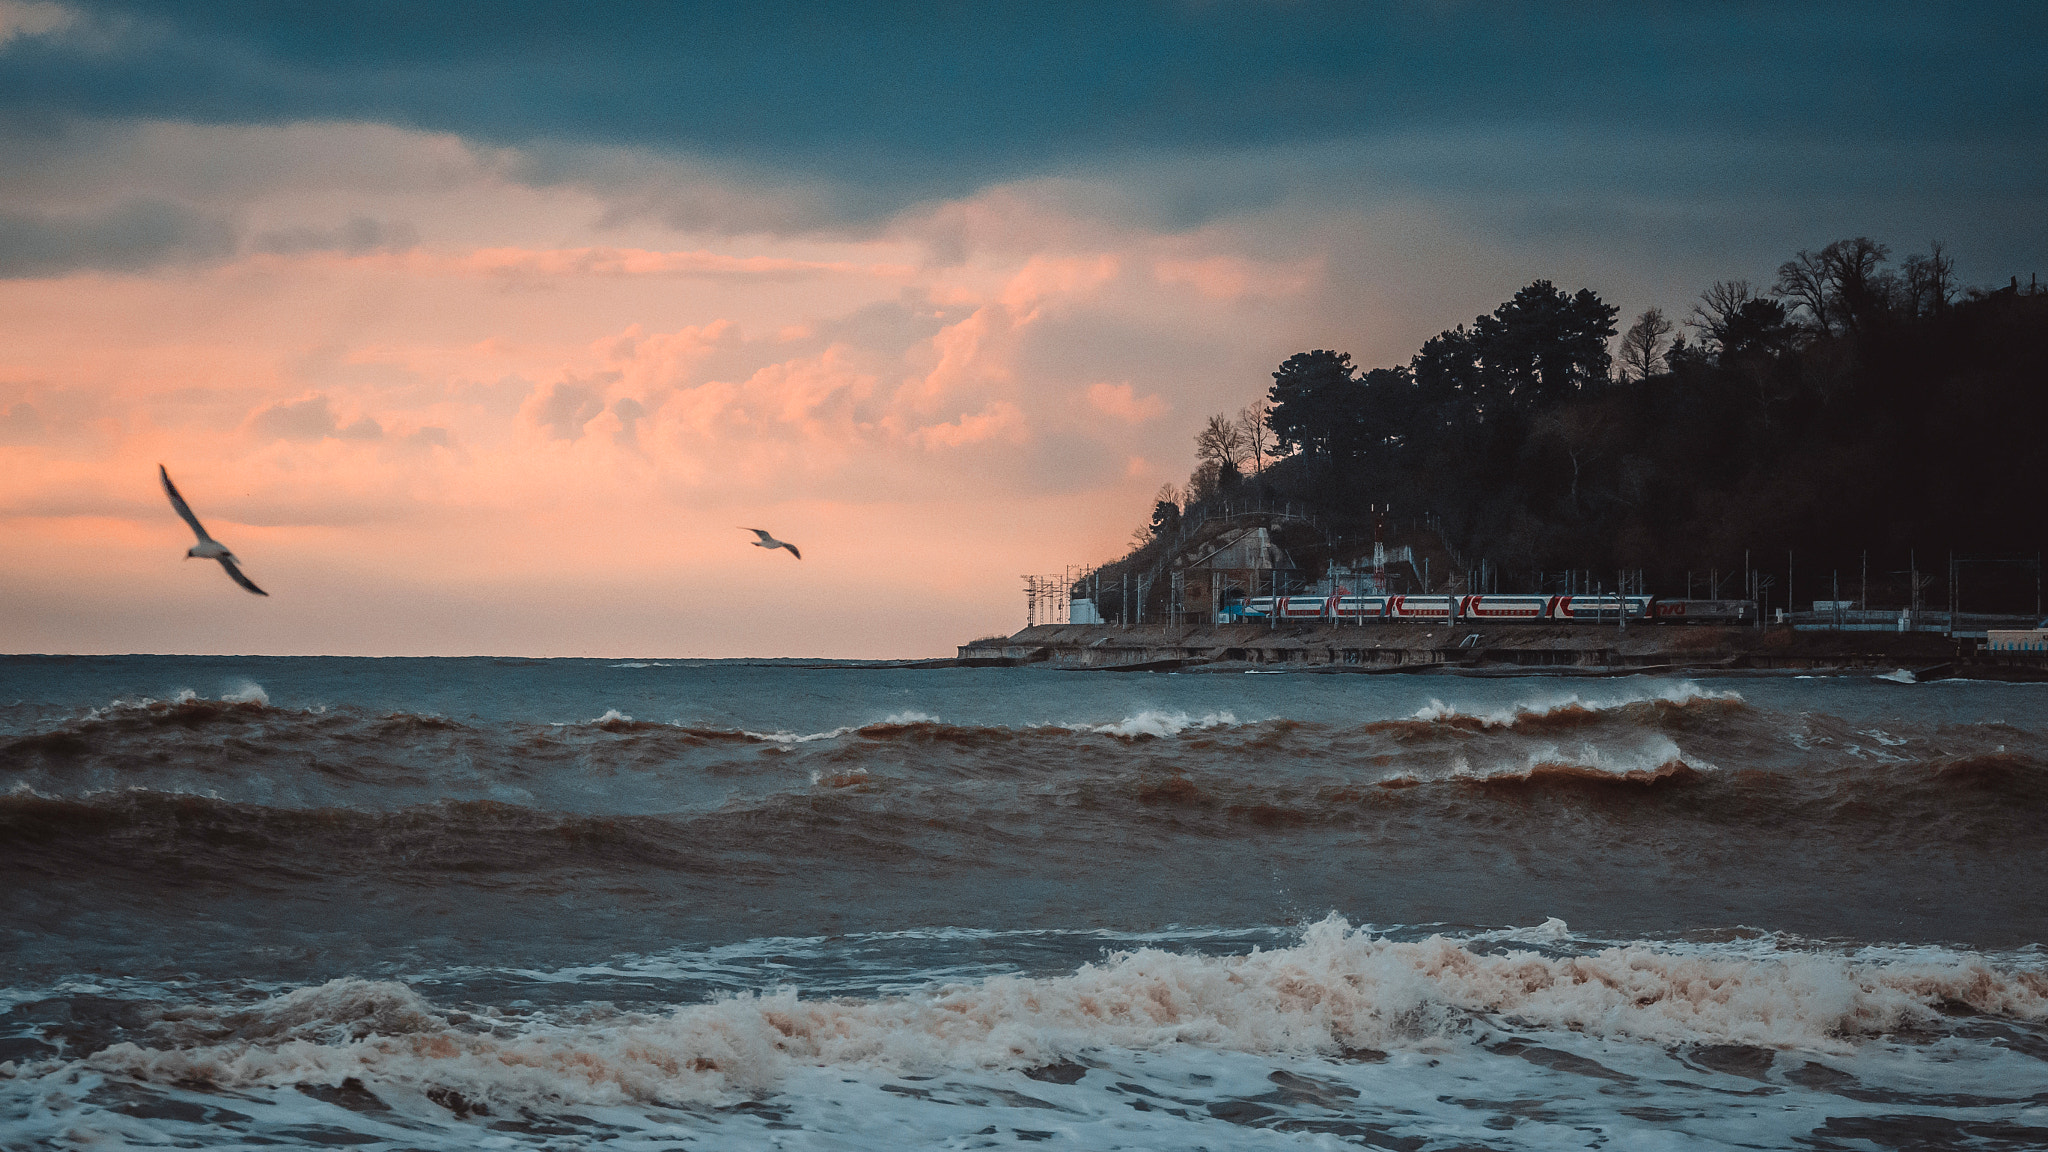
{"type": "Point", "coordinates": [1596, 609]}
{"type": "Point", "coordinates": [1498, 609]}
{"type": "Point", "coordinates": [1319, 607]}
{"type": "Point", "coordinates": [1362, 607]}
{"type": "Point", "coordinates": [1425, 609]}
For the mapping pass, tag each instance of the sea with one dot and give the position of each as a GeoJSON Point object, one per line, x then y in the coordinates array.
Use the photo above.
{"type": "Point", "coordinates": [260, 903]}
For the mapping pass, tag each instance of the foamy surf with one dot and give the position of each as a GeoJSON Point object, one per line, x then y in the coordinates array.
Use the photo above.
{"type": "Point", "coordinates": [1678, 695]}
{"type": "Point", "coordinates": [949, 909]}
{"type": "Point", "coordinates": [1337, 989]}
{"type": "Point", "coordinates": [245, 691]}
{"type": "Point", "coordinates": [1342, 1031]}
{"type": "Point", "coordinates": [1158, 724]}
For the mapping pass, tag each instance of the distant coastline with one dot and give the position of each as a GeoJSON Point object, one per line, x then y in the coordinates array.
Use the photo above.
{"type": "Point", "coordinates": [1500, 650]}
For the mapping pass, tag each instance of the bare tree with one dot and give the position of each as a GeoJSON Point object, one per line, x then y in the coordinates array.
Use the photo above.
{"type": "Point", "coordinates": [1220, 442]}
{"type": "Point", "coordinates": [1860, 290]}
{"type": "Point", "coordinates": [1840, 286]}
{"type": "Point", "coordinates": [1717, 306]}
{"type": "Point", "coordinates": [1258, 438]}
{"type": "Point", "coordinates": [1642, 347]}
{"type": "Point", "coordinates": [1804, 280]}
{"type": "Point", "coordinates": [1930, 280]}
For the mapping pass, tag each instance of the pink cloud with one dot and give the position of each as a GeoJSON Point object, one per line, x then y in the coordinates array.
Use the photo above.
{"type": "Point", "coordinates": [561, 409]}
{"type": "Point", "coordinates": [642, 262]}
{"type": "Point", "coordinates": [312, 418]}
{"type": "Point", "coordinates": [1123, 403]}
{"type": "Point", "coordinates": [1046, 278]}
{"type": "Point", "coordinates": [436, 449]}
{"type": "Point", "coordinates": [1001, 420]}
{"type": "Point", "coordinates": [1235, 278]}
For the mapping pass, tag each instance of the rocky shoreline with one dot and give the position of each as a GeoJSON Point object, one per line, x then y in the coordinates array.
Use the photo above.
{"type": "Point", "coordinates": [1496, 650]}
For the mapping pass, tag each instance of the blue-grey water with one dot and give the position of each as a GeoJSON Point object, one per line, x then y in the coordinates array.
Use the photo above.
{"type": "Point", "coordinates": [436, 903]}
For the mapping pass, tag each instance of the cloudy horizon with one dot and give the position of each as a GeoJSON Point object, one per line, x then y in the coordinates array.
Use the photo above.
{"type": "Point", "coordinates": [484, 330]}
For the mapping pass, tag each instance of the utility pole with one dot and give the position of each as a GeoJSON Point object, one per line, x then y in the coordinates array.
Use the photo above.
{"type": "Point", "coordinates": [1749, 581]}
{"type": "Point", "coordinates": [1379, 553]}
{"type": "Point", "coordinates": [1621, 605]}
{"type": "Point", "coordinates": [1913, 582]}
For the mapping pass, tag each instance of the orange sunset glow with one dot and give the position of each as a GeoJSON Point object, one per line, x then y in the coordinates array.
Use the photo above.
{"type": "Point", "coordinates": [508, 375]}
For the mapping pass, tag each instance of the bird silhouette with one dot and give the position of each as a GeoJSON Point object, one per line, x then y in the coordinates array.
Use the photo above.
{"type": "Point", "coordinates": [208, 548]}
{"type": "Point", "coordinates": [767, 541]}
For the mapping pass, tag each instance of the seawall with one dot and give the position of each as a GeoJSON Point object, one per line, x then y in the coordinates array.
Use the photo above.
{"type": "Point", "coordinates": [1498, 649]}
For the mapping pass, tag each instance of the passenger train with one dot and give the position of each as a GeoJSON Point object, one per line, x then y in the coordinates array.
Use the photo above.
{"type": "Point", "coordinates": [1491, 609]}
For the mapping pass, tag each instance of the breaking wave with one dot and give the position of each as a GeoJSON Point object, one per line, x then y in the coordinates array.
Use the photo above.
{"type": "Point", "coordinates": [1337, 990]}
{"type": "Point", "coordinates": [1675, 705]}
{"type": "Point", "coordinates": [1156, 724]}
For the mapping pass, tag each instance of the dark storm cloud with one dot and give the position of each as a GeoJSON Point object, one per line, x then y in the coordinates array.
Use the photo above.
{"type": "Point", "coordinates": [911, 102]}
{"type": "Point", "coordinates": [359, 235]}
{"type": "Point", "coordinates": [129, 237]}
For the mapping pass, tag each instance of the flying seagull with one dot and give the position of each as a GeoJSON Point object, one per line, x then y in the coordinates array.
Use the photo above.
{"type": "Point", "coordinates": [767, 541]}
{"type": "Point", "coordinates": [208, 548]}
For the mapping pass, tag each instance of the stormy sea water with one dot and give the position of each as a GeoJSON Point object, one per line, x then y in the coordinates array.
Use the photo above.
{"type": "Point", "coordinates": [645, 904]}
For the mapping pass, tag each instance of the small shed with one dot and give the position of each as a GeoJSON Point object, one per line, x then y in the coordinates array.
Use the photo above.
{"type": "Point", "coordinates": [1239, 564]}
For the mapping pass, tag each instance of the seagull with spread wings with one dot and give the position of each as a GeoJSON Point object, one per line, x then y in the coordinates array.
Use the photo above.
{"type": "Point", "coordinates": [767, 541]}
{"type": "Point", "coordinates": [208, 548]}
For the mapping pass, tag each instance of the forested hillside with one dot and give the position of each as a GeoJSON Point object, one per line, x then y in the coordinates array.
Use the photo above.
{"type": "Point", "coordinates": [1853, 406]}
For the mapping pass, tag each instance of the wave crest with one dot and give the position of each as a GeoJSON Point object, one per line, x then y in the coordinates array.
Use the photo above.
{"type": "Point", "coordinates": [1666, 706]}
{"type": "Point", "coordinates": [1336, 989]}
{"type": "Point", "coordinates": [1156, 724]}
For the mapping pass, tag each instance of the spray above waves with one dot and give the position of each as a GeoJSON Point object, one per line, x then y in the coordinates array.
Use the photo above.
{"type": "Point", "coordinates": [1660, 705]}
{"type": "Point", "coordinates": [1657, 760]}
{"type": "Point", "coordinates": [1335, 990]}
{"type": "Point", "coordinates": [1141, 725]}
{"type": "Point", "coordinates": [246, 702]}
{"type": "Point", "coordinates": [1157, 724]}
{"type": "Point", "coordinates": [245, 691]}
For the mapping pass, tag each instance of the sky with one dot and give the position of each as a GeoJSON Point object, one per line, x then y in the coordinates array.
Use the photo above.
{"type": "Point", "coordinates": [483, 328]}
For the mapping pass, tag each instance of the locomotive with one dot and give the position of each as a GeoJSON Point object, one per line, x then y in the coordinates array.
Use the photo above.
{"type": "Point", "coordinates": [1492, 609]}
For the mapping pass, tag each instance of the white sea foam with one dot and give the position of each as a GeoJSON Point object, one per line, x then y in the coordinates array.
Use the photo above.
{"type": "Point", "coordinates": [611, 716]}
{"type": "Point", "coordinates": [1551, 931]}
{"type": "Point", "coordinates": [802, 737]}
{"type": "Point", "coordinates": [1682, 692]}
{"type": "Point", "coordinates": [239, 691]}
{"type": "Point", "coordinates": [1150, 722]}
{"type": "Point", "coordinates": [1647, 755]}
{"type": "Point", "coordinates": [1153, 722]}
{"type": "Point", "coordinates": [245, 691]}
{"type": "Point", "coordinates": [639, 664]}
{"type": "Point", "coordinates": [1336, 989]}
{"type": "Point", "coordinates": [787, 737]}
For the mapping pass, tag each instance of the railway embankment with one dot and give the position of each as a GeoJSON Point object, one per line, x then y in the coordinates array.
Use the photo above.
{"type": "Point", "coordinates": [1496, 650]}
